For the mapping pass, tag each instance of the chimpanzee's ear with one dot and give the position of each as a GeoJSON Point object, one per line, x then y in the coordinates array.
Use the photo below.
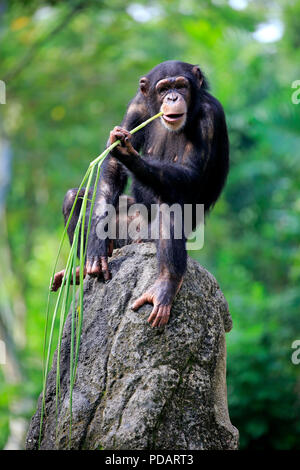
{"type": "Point", "coordinates": [198, 74]}
{"type": "Point", "coordinates": [144, 85]}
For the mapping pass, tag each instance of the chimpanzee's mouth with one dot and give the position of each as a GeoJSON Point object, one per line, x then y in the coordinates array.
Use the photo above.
{"type": "Point", "coordinates": [172, 117]}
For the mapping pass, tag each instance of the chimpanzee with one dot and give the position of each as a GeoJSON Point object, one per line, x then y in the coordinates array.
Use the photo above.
{"type": "Point", "coordinates": [185, 160]}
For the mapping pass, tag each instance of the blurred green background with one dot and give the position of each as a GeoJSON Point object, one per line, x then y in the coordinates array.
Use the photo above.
{"type": "Point", "coordinates": [70, 68]}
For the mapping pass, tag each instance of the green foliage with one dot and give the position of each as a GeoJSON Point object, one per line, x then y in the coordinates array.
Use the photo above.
{"type": "Point", "coordinates": [63, 97]}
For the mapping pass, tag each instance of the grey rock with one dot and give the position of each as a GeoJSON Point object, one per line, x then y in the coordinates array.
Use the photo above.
{"type": "Point", "coordinates": [138, 387]}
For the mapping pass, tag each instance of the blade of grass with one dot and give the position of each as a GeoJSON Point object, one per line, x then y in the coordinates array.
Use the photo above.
{"type": "Point", "coordinates": [54, 268]}
{"type": "Point", "coordinates": [72, 339]}
{"type": "Point", "coordinates": [80, 226]}
{"type": "Point", "coordinates": [46, 368]}
{"type": "Point", "coordinates": [81, 275]}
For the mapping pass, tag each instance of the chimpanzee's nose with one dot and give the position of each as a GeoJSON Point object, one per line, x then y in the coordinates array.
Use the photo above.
{"type": "Point", "coordinates": [172, 96]}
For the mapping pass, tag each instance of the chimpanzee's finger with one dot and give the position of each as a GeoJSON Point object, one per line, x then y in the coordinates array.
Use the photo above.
{"type": "Point", "coordinates": [105, 270]}
{"type": "Point", "coordinates": [93, 266]}
{"type": "Point", "coordinates": [110, 248]}
{"type": "Point", "coordinates": [122, 130]}
{"type": "Point", "coordinates": [128, 145]}
{"type": "Point", "coordinates": [122, 137]}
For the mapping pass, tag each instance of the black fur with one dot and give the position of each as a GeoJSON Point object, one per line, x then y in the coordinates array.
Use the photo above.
{"type": "Point", "coordinates": [188, 166]}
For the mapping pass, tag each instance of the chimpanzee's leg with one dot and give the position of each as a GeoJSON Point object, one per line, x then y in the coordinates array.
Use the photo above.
{"type": "Point", "coordinates": [172, 260]}
{"type": "Point", "coordinates": [66, 210]}
{"type": "Point", "coordinates": [121, 218]}
{"type": "Point", "coordinates": [67, 206]}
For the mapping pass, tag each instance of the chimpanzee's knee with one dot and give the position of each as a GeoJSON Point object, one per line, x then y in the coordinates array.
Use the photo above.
{"type": "Point", "coordinates": [69, 201]}
{"type": "Point", "coordinates": [67, 207]}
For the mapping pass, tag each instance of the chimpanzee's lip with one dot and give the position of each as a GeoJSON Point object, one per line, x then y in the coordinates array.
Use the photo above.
{"type": "Point", "coordinates": [172, 117]}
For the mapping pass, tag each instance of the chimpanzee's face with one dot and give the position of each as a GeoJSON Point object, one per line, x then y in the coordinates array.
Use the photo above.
{"type": "Point", "coordinates": [172, 96]}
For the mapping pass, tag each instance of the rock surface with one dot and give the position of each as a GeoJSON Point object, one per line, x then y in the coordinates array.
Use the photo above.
{"type": "Point", "coordinates": [138, 387]}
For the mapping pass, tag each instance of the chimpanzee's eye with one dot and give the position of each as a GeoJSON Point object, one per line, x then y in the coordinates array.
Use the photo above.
{"type": "Point", "coordinates": [163, 89]}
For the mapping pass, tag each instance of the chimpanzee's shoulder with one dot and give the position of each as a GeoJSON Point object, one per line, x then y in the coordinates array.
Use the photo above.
{"type": "Point", "coordinates": [212, 107]}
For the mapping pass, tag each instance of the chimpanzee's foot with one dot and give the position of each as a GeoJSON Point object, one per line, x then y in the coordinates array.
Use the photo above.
{"type": "Point", "coordinates": [161, 295]}
{"type": "Point", "coordinates": [97, 266]}
{"type": "Point", "coordinates": [58, 278]}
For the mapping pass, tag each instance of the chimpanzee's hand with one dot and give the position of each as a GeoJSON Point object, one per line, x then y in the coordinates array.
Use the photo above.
{"type": "Point", "coordinates": [125, 149]}
{"type": "Point", "coordinates": [97, 253]}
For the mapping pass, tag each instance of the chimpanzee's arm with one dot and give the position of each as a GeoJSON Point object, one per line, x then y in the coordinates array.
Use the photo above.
{"type": "Point", "coordinates": [170, 181]}
{"type": "Point", "coordinates": [205, 168]}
